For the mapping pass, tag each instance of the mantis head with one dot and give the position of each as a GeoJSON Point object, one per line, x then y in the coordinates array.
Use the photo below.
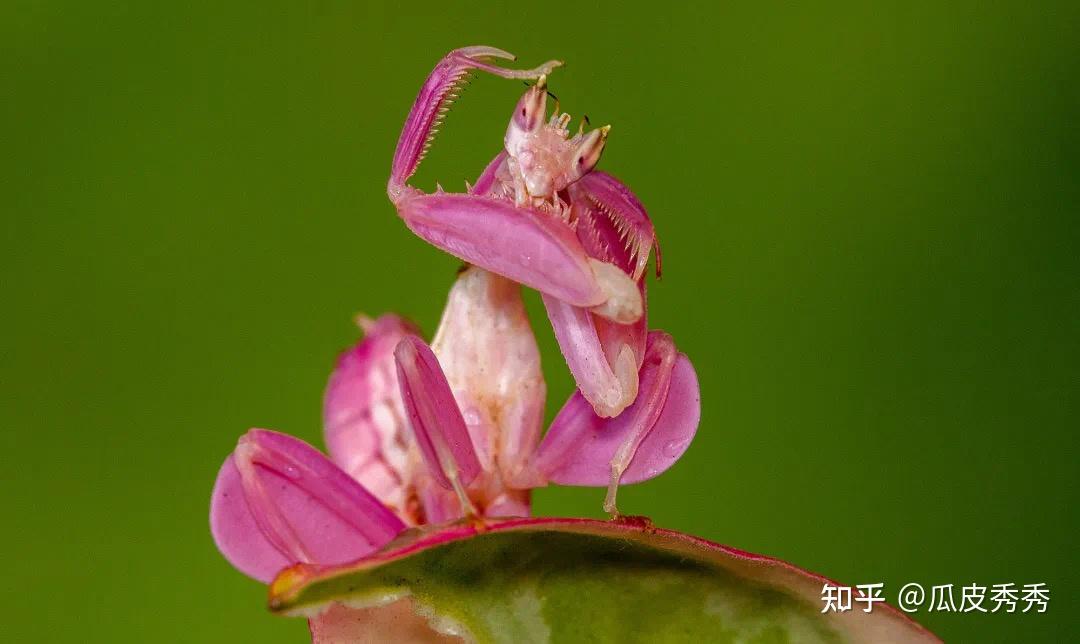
{"type": "Point", "coordinates": [546, 159]}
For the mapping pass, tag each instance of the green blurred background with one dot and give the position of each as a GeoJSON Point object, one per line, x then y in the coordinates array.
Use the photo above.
{"type": "Point", "coordinates": [869, 223]}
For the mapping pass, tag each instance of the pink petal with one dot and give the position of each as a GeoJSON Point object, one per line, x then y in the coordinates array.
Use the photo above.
{"type": "Point", "coordinates": [580, 446]}
{"type": "Point", "coordinates": [434, 416]}
{"type": "Point", "coordinates": [363, 417]}
{"type": "Point", "coordinates": [277, 501]}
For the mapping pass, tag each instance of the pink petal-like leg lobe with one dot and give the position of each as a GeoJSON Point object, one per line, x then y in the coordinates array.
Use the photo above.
{"type": "Point", "coordinates": [509, 504]}
{"type": "Point", "coordinates": [525, 246]}
{"type": "Point", "coordinates": [438, 427]}
{"type": "Point", "coordinates": [581, 448]}
{"type": "Point", "coordinates": [439, 504]}
{"type": "Point", "coordinates": [277, 501]}
{"type": "Point", "coordinates": [434, 99]}
{"type": "Point", "coordinates": [363, 417]}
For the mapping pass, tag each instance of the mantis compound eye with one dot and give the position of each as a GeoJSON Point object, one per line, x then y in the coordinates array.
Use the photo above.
{"type": "Point", "coordinates": [529, 112]}
{"type": "Point", "coordinates": [589, 150]}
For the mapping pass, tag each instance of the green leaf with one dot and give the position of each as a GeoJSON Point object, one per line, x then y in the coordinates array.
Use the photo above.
{"type": "Point", "coordinates": [573, 580]}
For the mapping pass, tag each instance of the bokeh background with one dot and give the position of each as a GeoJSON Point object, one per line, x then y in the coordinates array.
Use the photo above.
{"type": "Point", "coordinates": [868, 213]}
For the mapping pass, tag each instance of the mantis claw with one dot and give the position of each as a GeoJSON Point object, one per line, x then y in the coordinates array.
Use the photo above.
{"type": "Point", "coordinates": [481, 51]}
{"type": "Point", "coordinates": [478, 54]}
{"type": "Point", "coordinates": [434, 99]}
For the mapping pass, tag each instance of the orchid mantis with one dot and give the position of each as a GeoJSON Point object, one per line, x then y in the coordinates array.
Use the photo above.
{"type": "Point", "coordinates": [541, 215]}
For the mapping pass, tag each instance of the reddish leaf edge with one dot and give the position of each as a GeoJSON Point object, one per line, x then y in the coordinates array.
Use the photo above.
{"type": "Point", "coordinates": [287, 589]}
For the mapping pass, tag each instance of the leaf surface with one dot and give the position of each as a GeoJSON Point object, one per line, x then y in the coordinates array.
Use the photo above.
{"type": "Point", "coordinates": [573, 580]}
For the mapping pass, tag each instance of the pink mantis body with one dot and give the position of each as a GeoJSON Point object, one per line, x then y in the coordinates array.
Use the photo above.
{"type": "Point", "coordinates": [542, 216]}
